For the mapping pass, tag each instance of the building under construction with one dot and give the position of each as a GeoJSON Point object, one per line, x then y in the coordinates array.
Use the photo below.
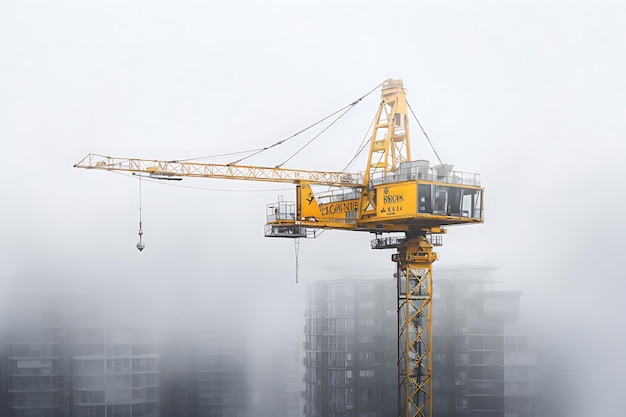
{"type": "Point", "coordinates": [350, 349]}
{"type": "Point", "coordinates": [483, 364]}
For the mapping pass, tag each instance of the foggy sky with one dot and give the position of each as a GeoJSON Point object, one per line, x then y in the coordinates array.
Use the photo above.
{"type": "Point", "coordinates": [530, 95]}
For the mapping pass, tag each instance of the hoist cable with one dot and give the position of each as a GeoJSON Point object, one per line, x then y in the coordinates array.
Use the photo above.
{"type": "Point", "coordinates": [432, 145]}
{"type": "Point", "coordinates": [140, 244]}
{"type": "Point", "coordinates": [140, 202]}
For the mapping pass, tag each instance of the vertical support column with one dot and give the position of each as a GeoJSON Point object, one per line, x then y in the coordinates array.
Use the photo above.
{"type": "Point", "coordinates": [414, 284]}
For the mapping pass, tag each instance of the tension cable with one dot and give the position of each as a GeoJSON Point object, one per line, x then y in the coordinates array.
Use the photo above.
{"type": "Point", "coordinates": [432, 146]}
{"type": "Point", "coordinates": [280, 142]}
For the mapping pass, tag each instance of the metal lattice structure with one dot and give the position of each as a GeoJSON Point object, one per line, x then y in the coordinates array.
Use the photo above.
{"type": "Point", "coordinates": [172, 169]}
{"type": "Point", "coordinates": [394, 195]}
{"type": "Point", "coordinates": [414, 285]}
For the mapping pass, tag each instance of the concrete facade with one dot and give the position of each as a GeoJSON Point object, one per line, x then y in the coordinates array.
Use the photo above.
{"type": "Point", "coordinates": [483, 364]}
{"type": "Point", "coordinates": [350, 349]}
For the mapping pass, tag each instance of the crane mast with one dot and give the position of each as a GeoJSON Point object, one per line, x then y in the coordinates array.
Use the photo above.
{"type": "Point", "coordinates": [394, 194]}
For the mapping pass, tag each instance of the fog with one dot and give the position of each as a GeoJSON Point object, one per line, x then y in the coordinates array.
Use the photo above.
{"type": "Point", "coordinates": [531, 96]}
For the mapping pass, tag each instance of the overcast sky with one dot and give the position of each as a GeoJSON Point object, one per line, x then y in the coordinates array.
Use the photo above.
{"type": "Point", "coordinates": [529, 94]}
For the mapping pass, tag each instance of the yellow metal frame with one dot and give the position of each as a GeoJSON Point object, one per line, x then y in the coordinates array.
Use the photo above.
{"type": "Point", "coordinates": [171, 169]}
{"type": "Point", "coordinates": [362, 207]}
{"type": "Point", "coordinates": [414, 274]}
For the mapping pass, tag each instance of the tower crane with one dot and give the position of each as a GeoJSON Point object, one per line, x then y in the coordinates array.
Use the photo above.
{"type": "Point", "coordinates": [395, 194]}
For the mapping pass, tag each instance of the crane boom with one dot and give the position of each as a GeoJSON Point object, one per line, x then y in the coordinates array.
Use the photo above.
{"type": "Point", "coordinates": [172, 169]}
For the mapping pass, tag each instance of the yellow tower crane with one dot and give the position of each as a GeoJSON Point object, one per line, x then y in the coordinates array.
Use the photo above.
{"type": "Point", "coordinates": [394, 195]}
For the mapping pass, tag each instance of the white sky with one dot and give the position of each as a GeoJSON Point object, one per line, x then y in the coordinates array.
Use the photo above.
{"type": "Point", "coordinates": [529, 94]}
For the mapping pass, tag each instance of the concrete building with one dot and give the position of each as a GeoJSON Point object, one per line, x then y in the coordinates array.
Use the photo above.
{"type": "Point", "coordinates": [34, 369]}
{"type": "Point", "coordinates": [3, 376]}
{"type": "Point", "coordinates": [65, 360]}
{"type": "Point", "coordinates": [204, 372]}
{"type": "Point", "coordinates": [350, 349]}
{"type": "Point", "coordinates": [482, 361]}
{"type": "Point", "coordinates": [222, 375]}
{"type": "Point", "coordinates": [290, 384]}
{"type": "Point", "coordinates": [277, 385]}
{"type": "Point", "coordinates": [115, 371]}
{"type": "Point", "coordinates": [275, 354]}
{"type": "Point", "coordinates": [179, 371]}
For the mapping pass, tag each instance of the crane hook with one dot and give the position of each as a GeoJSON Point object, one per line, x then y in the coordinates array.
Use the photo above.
{"type": "Point", "coordinates": [140, 244]}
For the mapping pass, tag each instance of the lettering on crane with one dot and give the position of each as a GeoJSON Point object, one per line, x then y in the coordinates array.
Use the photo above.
{"type": "Point", "coordinates": [393, 198]}
{"type": "Point", "coordinates": [339, 208]}
{"type": "Point", "coordinates": [397, 200]}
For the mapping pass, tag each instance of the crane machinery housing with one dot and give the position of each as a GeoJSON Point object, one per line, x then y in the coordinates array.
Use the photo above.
{"type": "Point", "coordinates": [395, 194]}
